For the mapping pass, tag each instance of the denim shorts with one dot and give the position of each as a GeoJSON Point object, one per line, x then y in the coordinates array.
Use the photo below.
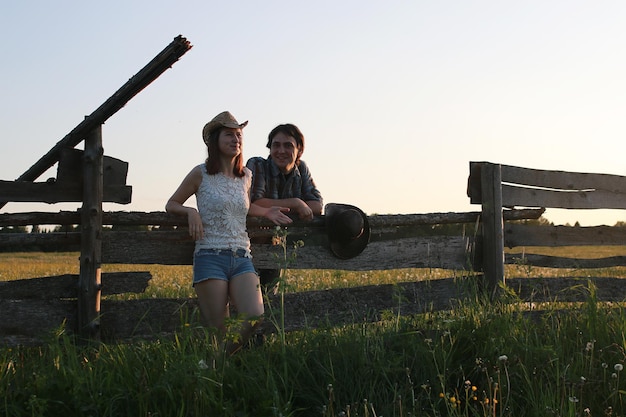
{"type": "Point", "coordinates": [223, 264]}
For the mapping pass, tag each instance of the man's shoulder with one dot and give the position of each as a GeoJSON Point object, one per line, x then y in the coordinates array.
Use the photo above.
{"type": "Point", "coordinates": [255, 161]}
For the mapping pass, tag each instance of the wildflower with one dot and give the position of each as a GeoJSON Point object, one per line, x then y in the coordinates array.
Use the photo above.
{"type": "Point", "coordinates": [441, 395]}
{"type": "Point", "coordinates": [618, 367]}
{"type": "Point", "coordinates": [202, 364]}
{"type": "Point", "coordinates": [573, 399]}
{"type": "Point", "coordinates": [614, 375]}
{"type": "Point", "coordinates": [453, 400]}
{"type": "Point", "coordinates": [583, 379]}
{"type": "Point", "coordinates": [503, 358]}
{"type": "Point", "coordinates": [605, 365]}
{"type": "Point", "coordinates": [589, 346]}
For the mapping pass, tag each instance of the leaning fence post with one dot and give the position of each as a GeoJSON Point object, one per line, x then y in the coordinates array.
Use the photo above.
{"type": "Point", "coordinates": [91, 237]}
{"type": "Point", "coordinates": [493, 226]}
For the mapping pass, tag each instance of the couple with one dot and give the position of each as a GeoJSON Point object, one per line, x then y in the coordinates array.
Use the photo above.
{"type": "Point", "coordinates": [226, 192]}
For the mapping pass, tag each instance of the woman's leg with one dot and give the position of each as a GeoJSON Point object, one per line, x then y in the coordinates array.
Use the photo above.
{"type": "Point", "coordinates": [245, 293]}
{"type": "Point", "coordinates": [213, 302]}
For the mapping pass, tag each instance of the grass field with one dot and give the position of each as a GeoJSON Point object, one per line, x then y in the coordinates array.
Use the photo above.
{"type": "Point", "coordinates": [482, 358]}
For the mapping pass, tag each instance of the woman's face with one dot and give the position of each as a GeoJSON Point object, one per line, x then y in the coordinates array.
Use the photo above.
{"type": "Point", "coordinates": [230, 142]}
{"type": "Point", "coordinates": [284, 152]}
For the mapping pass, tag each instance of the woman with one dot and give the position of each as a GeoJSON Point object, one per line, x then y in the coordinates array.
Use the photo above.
{"type": "Point", "coordinates": [222, 266]}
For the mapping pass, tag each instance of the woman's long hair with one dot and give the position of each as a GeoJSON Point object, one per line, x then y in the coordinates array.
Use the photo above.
{"type": "Point", "coordinates": [212, 163]}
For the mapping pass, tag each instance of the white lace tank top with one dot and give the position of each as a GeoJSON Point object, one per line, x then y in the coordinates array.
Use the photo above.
{"type": "Point", "coordinates": [223, 205]}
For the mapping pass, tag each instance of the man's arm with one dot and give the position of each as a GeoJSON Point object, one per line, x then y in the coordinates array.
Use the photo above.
{"type": "Point", "coordinates": [305, 209]}
{"type": "Point", "coordinates": [310, 194]}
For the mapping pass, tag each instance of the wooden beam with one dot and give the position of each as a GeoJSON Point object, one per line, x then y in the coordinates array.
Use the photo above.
{"type": "Point", "coordinates": [89, 280]}
{"type": "Point", "coordinates": [52, 192]}
{"type": "Point", "coordinates": [492, 226]}
{"type": "Point", "coordinates": [159, 64]}
{"type": "Point", "coordinates": [66, 285]}
{"type": "Point", "coordinates": [531, 235]}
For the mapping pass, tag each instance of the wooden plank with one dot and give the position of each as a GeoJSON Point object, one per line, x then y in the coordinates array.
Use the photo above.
{"type": "Point", "coordinates": [563, 262]}
{"type": "Point", "coordinates": [70, 168]}
{"type": "Point", "coordinates": [474, 191]}
{"type": "Point", "coordinates": [535, 197]}
{"type": "Point", "coordinates": [40, 242]}
{"type": "Point", "coordinates": [52, 192]}
{"type": "Point", "coordinates": [563, 180]}
{"type": "Point", "coordinates": [531, 235]}
{"type": "Point", "coordinates": [36, 318]}
{"type": "Point", "coordinates": [175, 248]}
{"type": "Point", "coordinates": [66, 285]}
{"type": "Point", "coordinates": [156, 218]}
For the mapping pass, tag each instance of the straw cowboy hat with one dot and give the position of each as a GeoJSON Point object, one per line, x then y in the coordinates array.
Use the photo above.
{"type": "Point", "coordinates": [348, 230]}
{"type": "Point", "coordinates": [224, 119]}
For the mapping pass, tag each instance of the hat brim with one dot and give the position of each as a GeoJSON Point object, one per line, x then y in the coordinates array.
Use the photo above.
{"type": "Point", "coordinates": [352, 248]}
{"type": "Point", "coordinates": [234, 125]}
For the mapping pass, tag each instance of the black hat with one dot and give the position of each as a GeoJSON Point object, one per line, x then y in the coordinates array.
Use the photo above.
{"type": "Point", "coordinates": [348, 230]}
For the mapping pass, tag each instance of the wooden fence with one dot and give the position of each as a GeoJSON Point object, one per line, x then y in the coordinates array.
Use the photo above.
{"type": "Point", "coordinates": [496, 187]}
{"type": "Point", "coordinates": [30, 308]}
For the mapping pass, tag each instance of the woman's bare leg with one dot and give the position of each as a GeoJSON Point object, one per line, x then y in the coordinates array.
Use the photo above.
{"type": "Point", "coordinates": [245, 293]}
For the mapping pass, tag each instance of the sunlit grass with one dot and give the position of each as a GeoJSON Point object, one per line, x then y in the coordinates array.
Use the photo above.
{"type": "Point", "coordinates": [477, 359]}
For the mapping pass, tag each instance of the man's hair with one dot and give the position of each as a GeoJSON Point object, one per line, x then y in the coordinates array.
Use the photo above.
{"type": "Point", "coordinates": [289, 130]}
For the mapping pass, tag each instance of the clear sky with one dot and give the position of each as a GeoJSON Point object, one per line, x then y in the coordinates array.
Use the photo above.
{"type": "Point", "coordinates": [395, 98]}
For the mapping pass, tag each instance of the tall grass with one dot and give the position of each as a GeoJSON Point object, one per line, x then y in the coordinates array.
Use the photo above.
{"type": "Point", "coordinates": [477, 359]}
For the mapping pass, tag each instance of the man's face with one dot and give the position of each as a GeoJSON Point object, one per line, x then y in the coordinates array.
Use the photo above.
{"type": "Point", "coordinates": [284, 152]}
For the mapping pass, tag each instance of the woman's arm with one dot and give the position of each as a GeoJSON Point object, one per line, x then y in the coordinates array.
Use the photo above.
{"type": "Point", "coordinates": [175, 204]}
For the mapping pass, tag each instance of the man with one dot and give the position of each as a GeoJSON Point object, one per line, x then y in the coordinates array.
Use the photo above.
{"type": "Point", "coordinates": [283, 179]}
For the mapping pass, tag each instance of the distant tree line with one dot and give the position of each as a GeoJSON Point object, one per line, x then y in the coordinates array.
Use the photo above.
{"type": "Point", "coordinates": [71, 228]}
{"type": "Point", "coordinates": [425, 230]}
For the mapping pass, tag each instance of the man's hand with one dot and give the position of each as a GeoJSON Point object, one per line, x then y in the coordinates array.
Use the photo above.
{"type": "Point", "coordinates": [303, 210]}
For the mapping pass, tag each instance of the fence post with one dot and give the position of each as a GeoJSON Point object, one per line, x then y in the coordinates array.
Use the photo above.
{"type": "Point", "coordinates": [493, 226]}
{"type": "Point", "coordinates": [91, 237]}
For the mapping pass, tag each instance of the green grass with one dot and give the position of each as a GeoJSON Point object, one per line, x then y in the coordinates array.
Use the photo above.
{"type": "Point", "coordinates": [478, 359]}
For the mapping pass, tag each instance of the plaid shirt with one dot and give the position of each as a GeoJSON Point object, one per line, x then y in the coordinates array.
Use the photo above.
{"type": "Point", "coordinates": [269, 182]}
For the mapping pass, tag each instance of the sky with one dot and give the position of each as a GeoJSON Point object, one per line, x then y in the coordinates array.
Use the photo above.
{"type": "Point", "coordinates": [394, 98]}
